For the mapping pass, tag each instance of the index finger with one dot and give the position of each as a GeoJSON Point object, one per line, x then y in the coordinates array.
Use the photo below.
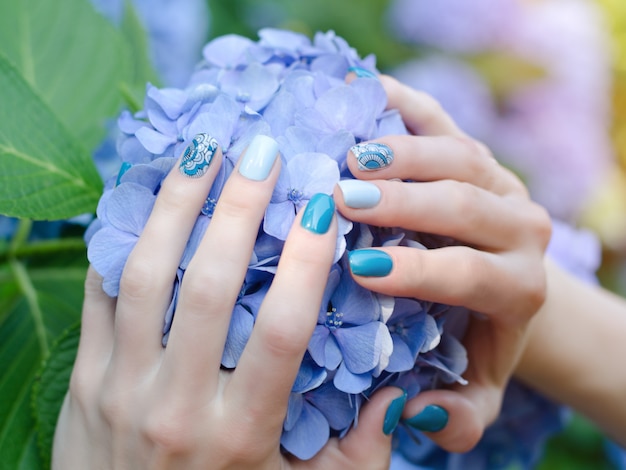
{"type": "Point", "coordinates": [422, 114]}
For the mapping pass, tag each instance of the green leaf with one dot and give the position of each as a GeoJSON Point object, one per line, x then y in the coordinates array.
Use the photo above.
{"type": "Point", "coordinates": [51, 384]}
{"type": "Point", "coordinates": [72, 56]}
{"type": "Point", "coordinates": [42, 302]}
{"type": "Point", "coordinates": [44, 172]}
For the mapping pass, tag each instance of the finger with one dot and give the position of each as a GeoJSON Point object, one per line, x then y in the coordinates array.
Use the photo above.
{"type": "Point", "coordinates": [287, 317]}
{"type": "Point", "coordinates": [455, 275]}
{"type": "Point", "coordinates": [420, 158]}
{"type": "Point", "coordinates": [449, 208]}
{"type": "Point", "coordinates": [97, 323]}
{"type": "Point", "coordinates": [454, 419]}
{"type": "Point", "coordinates": [370, 441]}
{"type": "Point", "coordinates": [216, 272]}
{"type": "Point", "coordinates": [148, 276]}
{"type": "Point", "coordinates": [422, 114]}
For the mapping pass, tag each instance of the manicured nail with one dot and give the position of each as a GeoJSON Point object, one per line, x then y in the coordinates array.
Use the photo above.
{"type": "Point", "coordinates": [198, 156]}
{"type": "Point", "coordinates": [123, 169]}
{"type": "Point", "coordinates": [433, 418]}
{"type": "Point", "coordinates": [362, 73]}
{"type": "Point", "coordinates": [259, 158]}
{"type": "Point", "coordinates": [372, 155]}
{"type": "Point", "coordinates": [359, 194]}
{"type": "Point", "coordinates": [318, 213]}
{"type": "Point", "coordinates": [393, 414]}
{"type": "Point", "coordinates": [370, 263]}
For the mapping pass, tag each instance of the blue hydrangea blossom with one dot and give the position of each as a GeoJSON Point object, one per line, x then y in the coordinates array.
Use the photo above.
{"type": "Point", "coordinates": [293, 89]}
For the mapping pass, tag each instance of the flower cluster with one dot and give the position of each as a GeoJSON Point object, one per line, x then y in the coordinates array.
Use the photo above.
{"type": "Point", "coordinates": [293, 89]}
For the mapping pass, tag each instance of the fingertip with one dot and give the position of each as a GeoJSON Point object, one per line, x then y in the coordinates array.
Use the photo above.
{"type": "Point", "coordinates": [447, 417]}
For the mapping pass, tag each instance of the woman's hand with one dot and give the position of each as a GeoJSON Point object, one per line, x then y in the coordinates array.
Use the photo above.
{"type": "Point", "coordinates": [134, 404]}
{"type": "Point", "coordinates": [458, 190]}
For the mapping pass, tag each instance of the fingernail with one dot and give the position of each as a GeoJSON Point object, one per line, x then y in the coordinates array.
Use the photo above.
{"type": "Point", "coordinates": [433, 418]}
{"type": "Point", "coordinates": [123, 169]}
{"type": "Point", "coordinates": [362, 73]}
{"type": "Point", "coordinates": [259, 158]}
{"type": "Point", "coordinates": [318, 213]}
{"type": "Point", "coordinates": [198, 156]}
{"type": "Point", "coordinates": [372, 155]}
{"type": "Point", "coordinates": [393, 414]}
{"type": "Point", "coordinates": [370, 263]}
{"type": "Point", "coordinates": [359, 194]}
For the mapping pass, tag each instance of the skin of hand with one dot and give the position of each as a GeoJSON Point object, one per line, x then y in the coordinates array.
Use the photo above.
{"type": "Point", "coordinates": [134, 404]}
{"type": "Point", "coordinates": [458, 189]}
{"type": "Point", "coordinates": [576, 350]}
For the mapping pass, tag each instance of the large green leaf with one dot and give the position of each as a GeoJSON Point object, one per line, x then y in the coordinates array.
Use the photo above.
{"type": "Point", "coordinates": [44, 172]}
{"type": "Point", "coordinates": [51, 385]}
{"type": "Point", "coordinates": [72, 56]}
{"type": "Point", "coordinates": [39, 304]}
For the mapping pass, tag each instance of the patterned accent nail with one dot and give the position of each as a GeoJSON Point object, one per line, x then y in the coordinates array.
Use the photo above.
{"type": "Point", "coordinates": [360, 72]}
{"type": "Point", "coordinates": [198, 156]}
{"type": "Point", "coordinates": [372, 156]}
{"type": "Point", "coordinates": [432, 418]}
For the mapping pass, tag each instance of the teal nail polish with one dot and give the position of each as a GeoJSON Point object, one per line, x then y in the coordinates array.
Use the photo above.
{"type": "Point", "coordinates": [362, 73]}
{"type": "Point", "coordinates": [433, 418]}
{"type": "Point", "coordinates": [359, 194]}
{"type": "Point", "coordinates": [372, 156]}
{"type": "Point", "coordinates": [318, 213]}
{"type": "Point", "coordinates": [198, 156]}
{"type": "Point", "coordinates": [393, 414]}
{"type": "Point", "coordinates": [370, 263]}
{"type": "Point", "coordinates": [123, 169]}
{"type": "Point", "coordinates": [259, 158]}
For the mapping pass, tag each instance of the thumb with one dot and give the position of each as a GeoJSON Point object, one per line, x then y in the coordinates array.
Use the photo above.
{"type": "Point", "coordinates": [369, 443]}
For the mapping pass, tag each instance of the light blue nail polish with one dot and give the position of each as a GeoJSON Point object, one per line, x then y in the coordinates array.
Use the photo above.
{"type": "Point", "coordinates": [259, 158]}
{"type": "Point", "coordinates": [318, 213]}
{"type": "Point", "coordinates": [432, 418]}
{"type": "Point", "coordinates": [370, 263]}
{"type": "Point", "coordinates": [359, 194]}
{"type": "Point", "coordinates": [198, 156]}
{"type": "Point", "coordinates": [362, 73]}
{"type": "Point", "coordinates": [393, 414]}
{"type": "Point", "coordinates": [372, 155]}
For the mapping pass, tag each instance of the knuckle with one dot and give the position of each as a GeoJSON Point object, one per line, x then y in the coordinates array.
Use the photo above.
{"type": "Point", "coordinates": [138, 278]}
{"type": "Point", "coordinates": [169, 430]}
{"type": "Point", "coordinates": [202, 288]}
{"type": "Point", "coordinates": [281, 337]}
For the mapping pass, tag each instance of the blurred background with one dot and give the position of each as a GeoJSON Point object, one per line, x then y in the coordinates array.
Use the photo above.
{"type": "Point", "coordinates": [541, 82]}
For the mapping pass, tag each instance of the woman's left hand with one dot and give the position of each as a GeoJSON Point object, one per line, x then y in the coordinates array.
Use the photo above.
{"type": "Point", "coordinates": [458, 190]}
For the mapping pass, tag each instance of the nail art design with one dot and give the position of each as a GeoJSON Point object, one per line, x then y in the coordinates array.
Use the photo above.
{"type": "Point", "coordinates": [372, 155]}
{"type": "Point", "coordinates": [198, 156]}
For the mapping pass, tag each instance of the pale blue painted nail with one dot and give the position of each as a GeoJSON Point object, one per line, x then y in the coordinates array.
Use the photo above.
{"type": "Point", "coordinates": [360, 72]}
{"type": "Point", "coordinates": [259, 158]}
{"type": "Point", "coordinates": [359, 194]}
{"type": "Point", "coordinates": [372, 156]}
{"type": "Point", "coordinates": [370, 263]}
{"type": "Point", "coordinates": [198, 156]}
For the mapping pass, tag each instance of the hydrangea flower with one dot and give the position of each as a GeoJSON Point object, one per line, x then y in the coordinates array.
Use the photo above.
{"type": "Point", "coordinates": [293, 89]}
